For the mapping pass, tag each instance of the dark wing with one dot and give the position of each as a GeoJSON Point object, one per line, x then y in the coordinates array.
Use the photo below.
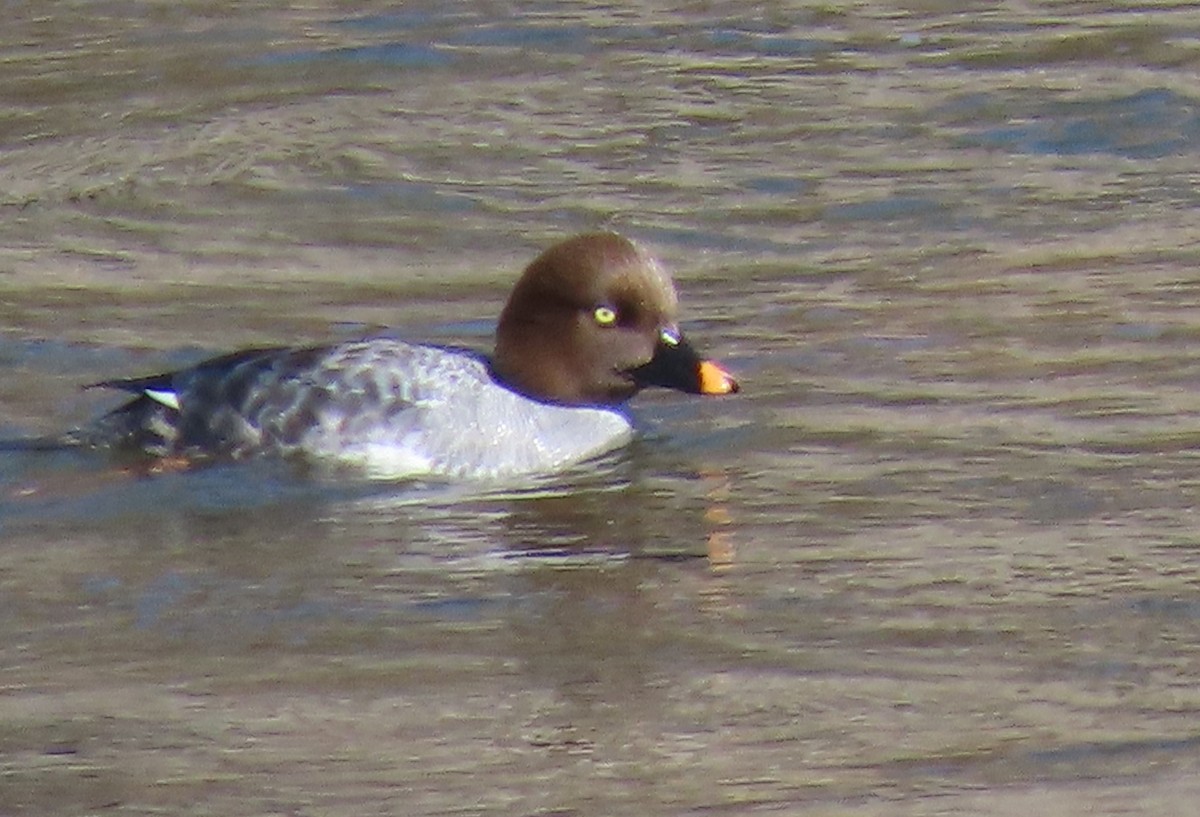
{"type": "Point", "coordinates": [280, 400]}
{"type": "Point", "coordinates": [198, 410]}
{"type": "Point", "coordinates": [217, 367]}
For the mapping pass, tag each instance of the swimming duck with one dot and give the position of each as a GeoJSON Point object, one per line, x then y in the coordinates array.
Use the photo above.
{"type": "Point", "coordinates": [589, 323]}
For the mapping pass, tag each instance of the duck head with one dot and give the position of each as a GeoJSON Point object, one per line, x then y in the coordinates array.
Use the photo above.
{"type": "Point", "coordinates": [591, 321]}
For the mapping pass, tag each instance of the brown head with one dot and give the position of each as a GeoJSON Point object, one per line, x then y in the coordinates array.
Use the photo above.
{"type": "Point", "coordinates": [591, 321]}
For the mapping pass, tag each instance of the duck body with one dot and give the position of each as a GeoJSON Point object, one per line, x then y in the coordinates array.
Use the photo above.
{"type": "Point", "coordinates": [395, 409]}
{"type": "Point", "coordinates": [590, 322]}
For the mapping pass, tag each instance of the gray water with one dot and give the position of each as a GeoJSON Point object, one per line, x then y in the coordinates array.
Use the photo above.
{"type": "Point", "coordinates": [939, 557]}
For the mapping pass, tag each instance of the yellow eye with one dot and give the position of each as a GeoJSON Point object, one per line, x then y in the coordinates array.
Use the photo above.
{"type": "Point", "coordinates": [605, 315]}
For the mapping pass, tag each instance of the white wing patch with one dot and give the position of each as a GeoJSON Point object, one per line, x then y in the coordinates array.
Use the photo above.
{"type": "Point", "coordinates": [165, 396]}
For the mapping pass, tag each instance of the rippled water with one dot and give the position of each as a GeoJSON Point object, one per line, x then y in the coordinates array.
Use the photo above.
{"type": "Point", "coordinates": [939, 557]}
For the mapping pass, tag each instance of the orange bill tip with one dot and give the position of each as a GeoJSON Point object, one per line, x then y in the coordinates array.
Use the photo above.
{"type": "Point", "coordinates": [715, 380]}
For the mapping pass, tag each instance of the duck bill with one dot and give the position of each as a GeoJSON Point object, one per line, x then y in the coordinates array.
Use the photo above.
{"type": "Point", "coordinates": [676, 365]}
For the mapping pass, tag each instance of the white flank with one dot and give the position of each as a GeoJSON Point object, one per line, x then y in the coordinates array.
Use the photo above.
{"type": "Point", "coordinates": [167, 398]}
{"type": "Point", "coordinates": [387, 460]}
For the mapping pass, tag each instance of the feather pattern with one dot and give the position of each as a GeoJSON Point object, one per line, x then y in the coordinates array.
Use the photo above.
{"type": "Point", "coordinates": [394, 408]}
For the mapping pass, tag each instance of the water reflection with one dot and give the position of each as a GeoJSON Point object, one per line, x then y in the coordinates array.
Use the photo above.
{"type": "Point", "coordinates": [233, 556]}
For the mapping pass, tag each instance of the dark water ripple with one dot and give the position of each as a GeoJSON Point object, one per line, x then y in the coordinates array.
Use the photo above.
{"type": "Point", "coordinates": [1146, 125]}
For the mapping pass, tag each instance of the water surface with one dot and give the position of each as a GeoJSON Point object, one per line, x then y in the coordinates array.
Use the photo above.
{"type": "Point", "coordinates": [939, 557]}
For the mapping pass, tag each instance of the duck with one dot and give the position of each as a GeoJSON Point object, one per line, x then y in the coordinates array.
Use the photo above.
{"type": "Point", "coordinates": [589, 323]}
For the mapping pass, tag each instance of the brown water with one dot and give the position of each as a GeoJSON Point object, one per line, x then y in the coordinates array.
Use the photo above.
{"type": "Point", "coordinates": [940, 557]}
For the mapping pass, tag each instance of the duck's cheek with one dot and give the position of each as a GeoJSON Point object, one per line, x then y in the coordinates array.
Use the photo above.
{"type": "Point", "coordinates": [627, 350]}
